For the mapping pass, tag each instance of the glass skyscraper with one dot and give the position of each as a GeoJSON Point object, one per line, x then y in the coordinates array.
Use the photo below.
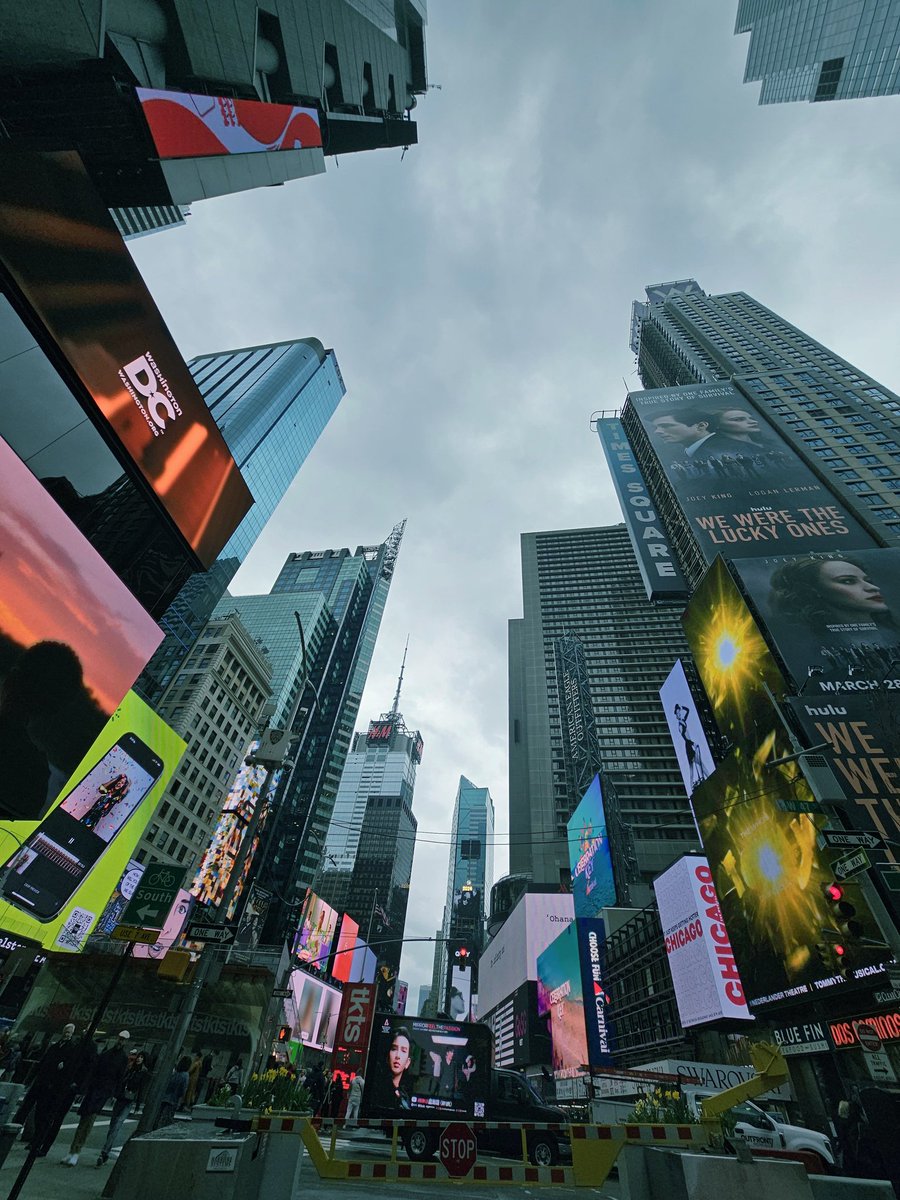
{"type": "Point", "coordinates": [271, 404]}
{"type": "Point", "coordinates": [838, 50]}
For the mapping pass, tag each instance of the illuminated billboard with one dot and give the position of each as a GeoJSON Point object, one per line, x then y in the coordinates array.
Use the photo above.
{"type": "Point", "coordinates": [692, 750]}
{"type": "Point", "coordinates": [73, 640]}
{"type": "Point", "coordinates": [651, 544]}
{"type": "Point", "coordinates": [833, 617]}
{"type": "Point", "coordinates": [560, 994]}
{"type": "Point", "coordinates": [510, 958]}
{"type": "Point", "coordinates": [315, 936]}
{"type": "Point", "coordinates": [704, 973]}
{"type": "Point", "coordinates": [593, 887]}
{"type": "Point", "coordinates": [58, 873]}
{"type": "Point", "coordinates": [431, 1068]}
{"type": "Point", "coordinates": [742, 488]}
{"type": "Point", "coordinates": [72, 269]}
{"type": "Point", "coordinates": [365, 963]}
{"type": "Point", "coordinates": [185, 125]}
{"type": "Point", "coordinates": [342, 966]}
{"type": "Point", "coordinates": [118, 901]}
{"type": "Point", "coordinates": [312, 1011]}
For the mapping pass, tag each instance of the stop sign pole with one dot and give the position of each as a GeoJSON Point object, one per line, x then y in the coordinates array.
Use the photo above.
{"type": "Point", "coordinates": [457, 1149]}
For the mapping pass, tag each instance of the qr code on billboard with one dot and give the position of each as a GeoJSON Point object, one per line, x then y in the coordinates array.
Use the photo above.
{"type": "Point", "coordinates": [479, 1108]}
{"type": "Point", "coordinates": [74, 933]}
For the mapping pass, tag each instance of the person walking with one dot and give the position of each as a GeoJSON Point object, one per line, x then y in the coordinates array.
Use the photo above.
{"type": "Point", "coordinates": [317, 1087]}
{"type": "Point", "coordinates": [60, 1072]}
{"type": "Point", "coordinates": [357, 1083]}
{"type": "Point", "coordinates": [234, 1077]}
{"type": "Point", "coordinates": [173, 1097]}
{"type": "Point", "coordinates": [104, 1083]}
{"type": "Point", "coordinates": [131, 1088]}
{"type": "Point", "coordinates": [193, 1079]}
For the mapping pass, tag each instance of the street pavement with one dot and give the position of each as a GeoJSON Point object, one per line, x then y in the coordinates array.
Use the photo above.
{"type": "Point", "coordinates": [49, 1180]}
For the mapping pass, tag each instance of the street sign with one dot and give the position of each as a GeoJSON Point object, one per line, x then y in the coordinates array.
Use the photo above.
{"type": "Point", "coordinates": [891, 878]}
{"type": "Point", "coordinates": [457, 1149]}
{"type": "Point", "coordinates": [197, 932]}
{"type": "Point", "coordinates": [880, 1067]}
{"type": "Point", "coordinates": [134, 933]}
{"type": "Point", "coordinates": [799, 806]}
{"type": "Point", "coordinates": [282, 993]}
{"type": "Point", "coordinates": [850, 837]}
{"type": "Point", "coordinates": [851, 864]}
{"type": "Point", "coordinates": [868, 1038]}
{"type": "Point", "coordinates": [153, 897]}
{"type": "Point", "coordinates": [888, 997]}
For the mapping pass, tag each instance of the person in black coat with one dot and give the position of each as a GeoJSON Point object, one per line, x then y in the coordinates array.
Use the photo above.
{"type": "Point", "coordinates": [61, 1071]}
{"type": "Point", "coordinates": [104, 1082]}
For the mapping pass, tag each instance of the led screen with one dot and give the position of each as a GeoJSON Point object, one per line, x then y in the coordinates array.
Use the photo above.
{"type": "Point", "coordinates": [460, 1006]}
{"type": "Point", "coordinates": [593, 887]}
{"type": "Point", "coordinates": [434, 1068]}
{"type": "Point", "coordinates": [184, 125]}
{"type": "Point", "coordinates": [312, 1011]}
{"type": "Point", "coordinates": [692, 750]}
{"type": "Point", "coordinates": [73, 271]}
{"type": "Point", "coordinates": [342, 965]}
{"type": "Point", "coordinates": [315, 936]}
{"type": "Point", "coordinates": [560, 994]}
{"type": "Point", "coordinates": [118, 901]}
{"type": "Point", "coordinates": [510, 958]}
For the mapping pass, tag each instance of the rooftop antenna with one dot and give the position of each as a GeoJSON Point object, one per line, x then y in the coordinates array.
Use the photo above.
{"type": "Point", "coordinates": [400, 680]}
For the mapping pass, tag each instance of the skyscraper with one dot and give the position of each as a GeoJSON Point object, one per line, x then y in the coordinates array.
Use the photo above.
{"type": "Point", "coordinates": [841, 421]}
{"type": "Point", "coordinates": [584, 585]}
{"type": "Point", "coordinates": [271, 403]}
{"type": "Point", "coordinates": [469, 876]}
{"type": "Point", "coordinates": [835, 51]}
{"type": "Point", "coordinates": [348, 593]}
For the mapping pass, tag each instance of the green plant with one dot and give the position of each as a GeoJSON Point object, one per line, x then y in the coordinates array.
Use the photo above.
{"type": "Point", "coordinates": [662, 1106]}
{"type": "Point", "coordinates": [275, 1091]}
{"type": "Point", "coordinates": [220, 1097]}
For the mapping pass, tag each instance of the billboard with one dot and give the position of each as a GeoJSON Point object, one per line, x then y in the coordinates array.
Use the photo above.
{"type": "Point", "coordinates": [835, 614]}
{"type": "Point", "coordinates": [593, 886]}
{"type": "Point", "coordinates": [184, 125]}
{"type": "Point", "coordinates": [401, 993]}
{"type": "Point", "coordinates": [315, 935]}
{"type": "Point", "coordinates": [652, 548]}
{"type": "Point", "coordinates": [433, 1068]}
{"type": "Point", "coordinates": [467, 905]}
{"type": "Point", "coordinates": [695, 760]}
{"type": "Point", "coordinates": [510, 958]}
{"type": "Point", "coordinates": [591, 934]}
{"type": "Point", "coordinates": [118, 901]}
{"type": "Point", "coordinates": [58, 873]}
{"type": "Point", "coordinates": [354, 1027]}
{"type": "Point", "coordinates": [364, 964]}
{"type": "Point", "coordinates": [312, 1011]}
{"type": "Point", "coordinates": [704, 973]}
{"type": "Point", "coordinates": [342, 964]}
{"type": "Point", "coordinates": [560, 994]}
{"type": "Point", "coordinates": [460, 1005]}
{"type": "Point", "coordinates": [73, 640]}
{"type": "Point", "coordinates": [741, 487]}
{"type": "Point", "coordinates": [71, 267]}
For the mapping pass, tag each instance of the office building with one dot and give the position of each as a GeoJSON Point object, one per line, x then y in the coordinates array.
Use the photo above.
{"type": "Point", "coordinates": [836, 51]}
{"type": "Point", "coordinates": [169, 103]}
{"type": "Point", "coordinates": [340, 597]}
{"type": "Point", "coordinates": [469, 875]}
{"type": "Point", "coordinates": [270, 403]}
{"type": "Point", "coordinates": [584, 584]}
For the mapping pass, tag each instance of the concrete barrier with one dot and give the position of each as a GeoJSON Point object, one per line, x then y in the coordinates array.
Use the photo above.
{"type": "Point", "coordinates": [835, 1187]}
{"type": "Point", "coordinates": [646, 1173]}
{"type": "Point", "coordinates": [175, 1161]}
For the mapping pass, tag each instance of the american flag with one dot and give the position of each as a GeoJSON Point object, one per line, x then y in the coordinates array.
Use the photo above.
{"type": "Point", "coordinates": [381, 915]}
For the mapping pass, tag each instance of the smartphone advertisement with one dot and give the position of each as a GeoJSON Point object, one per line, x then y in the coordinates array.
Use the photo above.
{"type": "Point", "coordinates": [57, 874]}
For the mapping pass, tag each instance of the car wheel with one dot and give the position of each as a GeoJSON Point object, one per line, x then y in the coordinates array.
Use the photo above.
{"type": "Point", "coordinates": [420, 1144]}
{"type": "Point", "coordinates": [543, 1151]}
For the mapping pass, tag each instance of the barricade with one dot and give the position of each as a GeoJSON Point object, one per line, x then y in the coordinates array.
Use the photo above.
{"type": "Point", "coordinates": [594, 1148]}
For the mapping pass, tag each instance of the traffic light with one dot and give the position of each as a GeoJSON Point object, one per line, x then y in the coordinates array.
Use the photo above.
{"type": "Point", "coordinates": [284, 1033]}
{"type": "Point", "coordinates": [462, 956]}
{"type": "Point", "coordinates": [847, 930]}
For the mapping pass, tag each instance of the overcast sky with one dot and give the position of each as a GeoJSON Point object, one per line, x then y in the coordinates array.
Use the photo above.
{"type": "Point", "coordinates": [477, 295]}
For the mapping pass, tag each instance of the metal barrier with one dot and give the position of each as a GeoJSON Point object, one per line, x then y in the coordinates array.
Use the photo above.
{"type": "Point", "coordinates": [594, 1148]}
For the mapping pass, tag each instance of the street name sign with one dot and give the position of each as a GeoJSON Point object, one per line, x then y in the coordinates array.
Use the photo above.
{"type": "Point", "coordinates": [850, 837]}
{"type": "Point", "coordinates": [153, 897]}
{"type": "Point", "coordinates": [851, 864]}
{"type": "Point", "coordinates": [197, 932]}
{"type": "Point", "coordinates": [134, 933]}
{"type": "Point", "coordinates": [282, 993]}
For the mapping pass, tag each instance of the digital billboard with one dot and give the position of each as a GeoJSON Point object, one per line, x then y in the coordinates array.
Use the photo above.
{"type": "Point", "coordinates": [354, 1027]}
{"type": "Point", "coordinates": [652, 548]}
{"type": "Point", "coordinates": [342, 964]}
{"type": "Point", "coordinates": [70, 266]}
{"type": "Point", "coordinates": [698, 950]}
{"type": "Point", "coordinates": [434, 1068]}
{"type": "Point", "coordinates": [185, 125]}
{"type": "Point", "coordinates": [695, 760]}
{"type": "Point", "coordinates": [593, 886]}
{"type": "Point", "coordinates": [118, 901]}
{"type": "Point", "coordinates": [743, 490]}
{"type": "Point", "coordinates": [315, 936]}
{"type": "Point", "coordinates": [598, 1006]}
{"type": "Point", "coordinates": [312, 1011]}
{"type": "Point", "coordinates": [460, 1006]}
{"type": "Point", "coordinates": [73, 640]}
{"type": "Point", "coordinates": [467, 904]}
{"type": "Point", "coordinates": [560, 994]}
{"type": "Point", "coordinates": [510, 958]}
{"type": "Point", "coordinates": [57, 874]}
{"type": "Point", "coordinates": [364, 964]}
{"type": "Point", "coordinates": [833, 614]}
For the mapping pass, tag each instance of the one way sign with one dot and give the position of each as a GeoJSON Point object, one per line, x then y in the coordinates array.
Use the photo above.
{"type": "Point", "coordinates": [850, 837]}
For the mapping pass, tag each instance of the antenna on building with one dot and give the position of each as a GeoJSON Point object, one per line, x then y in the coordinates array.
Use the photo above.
{"type": "Point", "coordinates": [396, 703]}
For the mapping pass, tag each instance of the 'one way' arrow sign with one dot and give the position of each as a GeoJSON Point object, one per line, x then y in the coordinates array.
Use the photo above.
{"type": "Point", "coordinates": [850, 837]}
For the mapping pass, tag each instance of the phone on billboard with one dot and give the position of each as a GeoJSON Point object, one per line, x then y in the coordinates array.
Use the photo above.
{"type": "Point", "coordinates": [46, 871]}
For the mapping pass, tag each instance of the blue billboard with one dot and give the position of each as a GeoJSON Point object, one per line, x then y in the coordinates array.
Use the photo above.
{"type": "Point", "coordinates": [590, 862]}
{"type": "Point", "coordinates": [592, 954]}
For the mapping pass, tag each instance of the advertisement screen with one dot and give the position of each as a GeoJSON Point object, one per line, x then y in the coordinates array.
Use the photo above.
{"type": "Point", "coordinates": [834, 618]}
{"type": "Point", "coordinates": [184, 125]}
{"type": "Point", "coordinates": [467, 905]}
{"type": "Point", "coordinates": [434, 1068]}
{"type": "Point", "coordinates": [71, 267]}
{"type": "Point", "coordinates": [704, 973]}
{"type": "Point", "coordinates": [312, 1011]}
{"type": "Point", "coordinates": [692, 750]}
{"type": "Point", "coordinates": [511, 956]}
{"type": "Point", "coordinates": [744, 491]}
{"type": "Point", "coordinates": [315, 937]}
{"type": "Point", "coordinates": [59, 873]}
{"type": "Point", "coordinates": [593, 887]}
{"type": "Point", "coordinates": [460, 994]}
{"type": "Point", "coordinates": [561, 995]}
{"type": "Point", "coordinates": [598, 1006]}
{"type": "Point", "coordinates": [342, 965]}
{"type": "Point", "coordinates": [365, 963]}
{"type": "Point", "coordinates": [73, 640]}
{"type": "Point", "coordinates": [118, 901]}
{"type": "Point", "coordinates": [658, 566]}
{"type": "Point", "coordinates": [354, 1027]}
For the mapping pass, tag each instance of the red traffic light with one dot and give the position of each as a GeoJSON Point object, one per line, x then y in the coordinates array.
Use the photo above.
{"type": "Point", "coordinates": [839, 950]}
{"type": "Point", "coordinates": [284, 1033]}
{"type": "Point", "coordinates": [834, 891]}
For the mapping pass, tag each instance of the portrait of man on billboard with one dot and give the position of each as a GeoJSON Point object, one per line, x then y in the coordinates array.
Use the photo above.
{"type": "Point", "coordinates": [700, 441]}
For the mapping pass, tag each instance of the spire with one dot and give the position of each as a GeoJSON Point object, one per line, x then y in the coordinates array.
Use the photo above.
{"type": "Point", "coordinates": [396, 703]}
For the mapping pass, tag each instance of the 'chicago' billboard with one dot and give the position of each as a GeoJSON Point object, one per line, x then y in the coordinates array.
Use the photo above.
{"type": "Point", "coordinates": [70, 267]}
{"type": "Point", "coordinates": [704, 973]}
{"type": "Point", "coordinates": [652, 548]}
{"type": "Point", "coordinates": [187, 125]}
{"type": "Point", "coordinates": [743, 489]}
{"type": "Point", "coordinates": [692, 750]}
{"type": "Point", "coordinates": [590, 861]}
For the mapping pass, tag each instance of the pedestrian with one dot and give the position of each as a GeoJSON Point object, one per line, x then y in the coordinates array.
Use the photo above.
{"type": "Point", "coordinates": [60, 1072]}
{"type": "Point", "coordinates": [103, 1083]}
{"type": "Point", "coordinates": [316, 1086]}
{"type": "Point", "coordinates": [131, 1088]}
{"type": "Point", "coordinates": [193, 1079]}
{"type": "Point", "coordinates": [176, 1089]}
{"type": "Point", "coordinates": [217, 1073]}
{"type": "Point", "coordinates": [357, 1083]}
{"type": "Point", "coordinates": [234, 1077]}
{"type": "Point", "coordinates": [205, 1069]}
{"type": "Point", "coordinates": [9, 1062]}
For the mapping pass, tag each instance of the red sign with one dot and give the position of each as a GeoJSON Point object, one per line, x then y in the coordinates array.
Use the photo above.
{"type": "Point", "coordinates": [379, 731]}
{"type": "Point", "coordinates": [354, 1027]}
{"type": "Point", "coordinates": [185, 125]}
{"type": "Point", "coordinates": [868, 1036]}
{"type": "Point", "coordinates": [458, 1150]}
{"type": "Point", "coordinates": [885, 1027]}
